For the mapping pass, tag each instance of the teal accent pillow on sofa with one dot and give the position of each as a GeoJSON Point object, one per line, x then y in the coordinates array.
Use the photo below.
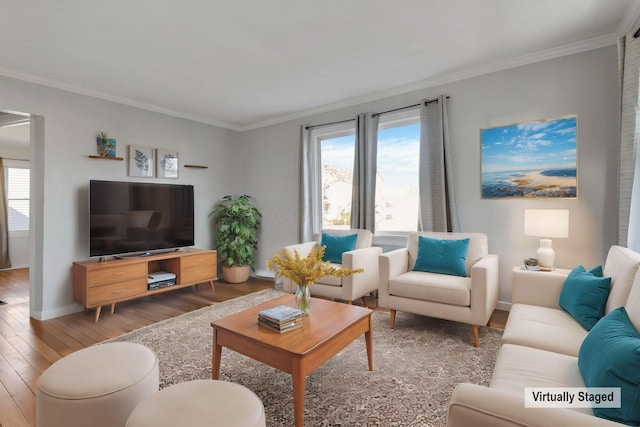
{"type": "Point", "coordinates": [610, 357]}
{"type": "Point", "coordinates": [585, 294]}
{"type": "Point", "coordinates": [336, 245]}
{"type": "Point", "coordinates": [442, 256]}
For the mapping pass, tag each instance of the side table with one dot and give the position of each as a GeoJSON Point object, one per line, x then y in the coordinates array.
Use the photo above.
{"type": "Point", "coordinates": [526, 284]}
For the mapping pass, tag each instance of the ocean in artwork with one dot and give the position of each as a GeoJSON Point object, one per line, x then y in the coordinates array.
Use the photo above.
{"type": "Point", "coordinates": [561, 183]}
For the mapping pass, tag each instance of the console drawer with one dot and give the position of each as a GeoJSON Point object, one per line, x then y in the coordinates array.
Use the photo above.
{"type": "Point", "coordinates": [203, 273]}
{"type": "Point", "coordinates": [198, 260]}
{"type": "Point", "coordinates": [107, 294]}
{"type": "Point", "coordinates": [111, 274]}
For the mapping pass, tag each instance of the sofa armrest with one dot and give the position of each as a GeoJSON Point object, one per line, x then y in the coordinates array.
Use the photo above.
{"type": "Point", "coordinates": [484, 289]}
{"type": "Point", "coordinates": [391, 264]}
{"type": "Point", "coordinates": [360, 284]}
{"type": "Point", "coordinates": [478, 406]}
{"type": "Point", "coordinates": [541, 288]}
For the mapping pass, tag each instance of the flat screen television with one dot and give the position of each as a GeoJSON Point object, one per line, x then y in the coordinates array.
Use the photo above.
{"type": "Point", "coordinates": [138, 218]}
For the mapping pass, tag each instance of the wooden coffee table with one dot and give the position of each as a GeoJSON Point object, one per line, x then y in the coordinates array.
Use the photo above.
{"type": "Point", "coordinates": [329, 328]}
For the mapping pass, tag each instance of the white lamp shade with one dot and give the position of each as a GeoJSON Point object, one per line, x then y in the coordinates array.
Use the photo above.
{"type": "Point", "coordinates": [546, 223]}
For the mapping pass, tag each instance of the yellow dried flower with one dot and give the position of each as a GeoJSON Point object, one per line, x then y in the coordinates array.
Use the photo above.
{"type": "Point", "coordinates": [305, 271]}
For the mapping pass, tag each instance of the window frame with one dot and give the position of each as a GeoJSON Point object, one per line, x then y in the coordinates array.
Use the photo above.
{"type": "Point", "coordinates": [316, 137]}
{"type": "Point", "coordinates": [17, 164]}
{"type": "Point", "coordinates": [410, 116]}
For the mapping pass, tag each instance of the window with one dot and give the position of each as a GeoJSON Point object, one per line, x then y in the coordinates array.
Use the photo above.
{"type": "Point", "coordinates": [397, 197]}
{"type": "Point", "coordinates": [336, 148]}
{"type": "Point", "coordinates": [17, 181]}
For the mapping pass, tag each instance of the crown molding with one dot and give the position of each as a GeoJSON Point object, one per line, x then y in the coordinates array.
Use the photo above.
{"type": "Point", "coordinates": [569, 49]}
{"type": "Point", "coordinates": [557, 52]}
{"type": "Point", "coordinates": [57, 84]}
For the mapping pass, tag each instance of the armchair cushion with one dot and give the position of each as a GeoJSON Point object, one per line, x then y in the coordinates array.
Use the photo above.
{"type": "Point", "coordinates": [434, 287]}
{"type": "Point", "coordinates": [610, 357]}
{"type": "Point", "coordinates": [584, 295]}
{"type": "Point", "coordinates": [442, 256]}
{"type": "Point", "coordinates": [337, 245]}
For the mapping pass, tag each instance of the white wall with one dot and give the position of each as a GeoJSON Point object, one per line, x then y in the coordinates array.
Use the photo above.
{"type": "Point", "coordinates": [63, 137]}
{"type": "Point", "coordinates": [585, 84]}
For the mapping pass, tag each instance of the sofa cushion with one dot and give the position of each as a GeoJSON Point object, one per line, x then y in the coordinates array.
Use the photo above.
{"type": "Point", "coordinates": [610, 357]}
{"type": "Point", "coordinates": [444, 256]}
{"type": "Point", "coordinates": [478, 245]}
{"type": "Point", "coordinates": [518, 367]}
{"type": "Point", "coordinates": [621, 265]}
{"type": "Point", "coordinates": [440, 288]}
{"type": "Point", "coordinates": [543, 328]}
{"type": "Point", "coordinates": [584, 295]}
{"type": "Point", "coordinates": [337, 245]}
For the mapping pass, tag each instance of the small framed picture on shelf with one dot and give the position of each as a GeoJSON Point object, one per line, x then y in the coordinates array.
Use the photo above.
{"type": "Point", "coordinates": [141, 161]}
{"type": "Point", "coordinates": [167, 163]}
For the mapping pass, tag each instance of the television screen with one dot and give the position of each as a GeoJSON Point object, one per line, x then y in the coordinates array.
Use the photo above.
{"type": "Point", "coordinates": [139, 217]}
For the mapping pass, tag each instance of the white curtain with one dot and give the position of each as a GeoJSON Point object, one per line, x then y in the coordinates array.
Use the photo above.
{"type": "Point", "coordinates": [438, 210]}
{"type": "Point", "coordinates": [629, 162]}
{"type": "Point", "coordinates": [363, 199]}
{"type": "Point", "coordinates": [307, 189]}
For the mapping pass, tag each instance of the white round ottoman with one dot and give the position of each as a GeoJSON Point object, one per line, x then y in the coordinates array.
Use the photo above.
{"type": "Point", "coordinates": [97, 386]}
{"type": "Point", "coordinates": [200, 403]}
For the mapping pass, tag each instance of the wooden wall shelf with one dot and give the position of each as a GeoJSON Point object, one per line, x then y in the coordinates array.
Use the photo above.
{"type": "Point", "coordinates": [196, 166]}
{"type": "Point", "coordinates": [106, 158]}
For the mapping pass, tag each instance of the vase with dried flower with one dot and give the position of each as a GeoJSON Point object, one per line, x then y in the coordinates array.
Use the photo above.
{"type": "Point", "coordinates": [305, 271]}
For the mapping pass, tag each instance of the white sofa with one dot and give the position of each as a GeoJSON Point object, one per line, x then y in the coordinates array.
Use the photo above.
{"type": "Point", "coordinates": [540, 348]}
{"type": "Point", "coordinates": [348, 288]}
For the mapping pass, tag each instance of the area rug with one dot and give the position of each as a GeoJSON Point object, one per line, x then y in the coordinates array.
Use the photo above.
{"type": "Point", "coordinates": [416, 367]}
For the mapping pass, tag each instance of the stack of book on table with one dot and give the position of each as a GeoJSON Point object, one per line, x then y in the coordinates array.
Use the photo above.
{"type": "Point", "coordinates": [281, 318]}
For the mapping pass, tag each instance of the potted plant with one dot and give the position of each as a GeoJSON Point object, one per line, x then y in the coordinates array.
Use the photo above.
{"type": "Point", "coordinates": [237, 221]}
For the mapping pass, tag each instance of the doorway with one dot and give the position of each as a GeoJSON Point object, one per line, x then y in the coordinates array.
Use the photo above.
{"type": "Point", "coordinates": [15, 151]}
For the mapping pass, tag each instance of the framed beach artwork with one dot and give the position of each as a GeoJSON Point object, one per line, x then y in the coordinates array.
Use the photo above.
{"type": "Point", "coordinates": [529, 160]}
{"type": "Point", "coordinates": [141, 161]}
{"type": "Point", "coordinates": [167, 163]}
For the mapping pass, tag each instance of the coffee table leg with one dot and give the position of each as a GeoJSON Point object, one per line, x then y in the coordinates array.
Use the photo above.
{"type": "Point", "coordinates": [298, 379]}
{"type": "Point", "coordinates": [215, 358]}
{"type": "Point", "coordinates": [368, 337]}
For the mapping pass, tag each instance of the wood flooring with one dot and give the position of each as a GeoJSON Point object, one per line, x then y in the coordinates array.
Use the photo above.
{"type": "Point", "coordinates": [28, 346]}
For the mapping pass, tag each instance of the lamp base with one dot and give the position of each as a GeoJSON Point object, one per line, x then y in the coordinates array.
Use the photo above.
{"type": "Point", "coordinates": [545, 255]}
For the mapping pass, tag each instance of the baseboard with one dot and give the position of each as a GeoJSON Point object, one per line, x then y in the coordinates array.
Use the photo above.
{"type": "Point", "coordinates": [503, 305]}
{"type": "Point", "coordinates": [57, 312]}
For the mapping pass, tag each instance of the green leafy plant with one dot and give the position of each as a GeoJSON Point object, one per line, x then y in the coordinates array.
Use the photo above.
{"type": "Point", "coordinates": [103, 136]}
{"type": "Point", "coordinates": [237, 221]}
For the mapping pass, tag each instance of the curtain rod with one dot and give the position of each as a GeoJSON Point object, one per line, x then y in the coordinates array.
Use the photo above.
{"type": "Point", "coordinates": [329, 124]}
{"type": "Point", "coordinates": [407, 107]}
{"type": "Point", "coordinates": [376, 114]}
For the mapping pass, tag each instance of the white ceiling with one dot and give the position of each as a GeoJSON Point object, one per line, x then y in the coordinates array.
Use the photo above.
{"type": "Point", "coordinates": [241, 64]}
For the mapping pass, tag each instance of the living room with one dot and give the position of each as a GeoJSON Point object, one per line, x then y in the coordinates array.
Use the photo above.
{"type": "Point", "coordinates": [261, 158]}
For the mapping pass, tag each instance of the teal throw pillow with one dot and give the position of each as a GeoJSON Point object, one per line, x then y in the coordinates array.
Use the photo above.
{"type": "Point", "coordinates": [584, 295]}
{"type": "Point", "coordinates": [336, 245]}
{"type": "Point", "coordinates": [442, 256]}
{"type": "Point", "coordinates": [610, 357]}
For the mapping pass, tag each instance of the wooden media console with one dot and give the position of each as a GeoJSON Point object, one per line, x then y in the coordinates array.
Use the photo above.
{"type": "Point", "coordinates": [96, 284]}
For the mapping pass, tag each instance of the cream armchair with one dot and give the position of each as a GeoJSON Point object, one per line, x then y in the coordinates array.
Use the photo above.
{"type": "Point", "coordinates": [471, 298]}
{"type": "Point", "coordinates": [344, 288]}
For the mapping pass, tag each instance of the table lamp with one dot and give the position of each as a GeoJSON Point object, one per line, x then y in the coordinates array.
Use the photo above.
{"type": "Point", "coordinates": [546, 223]}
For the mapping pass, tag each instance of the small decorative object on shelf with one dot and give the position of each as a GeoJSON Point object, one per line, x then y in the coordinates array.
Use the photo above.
{"type": "Point", "coordinates": [305, 271]}
{"type": "Point", "coordinates": [106, 145]}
